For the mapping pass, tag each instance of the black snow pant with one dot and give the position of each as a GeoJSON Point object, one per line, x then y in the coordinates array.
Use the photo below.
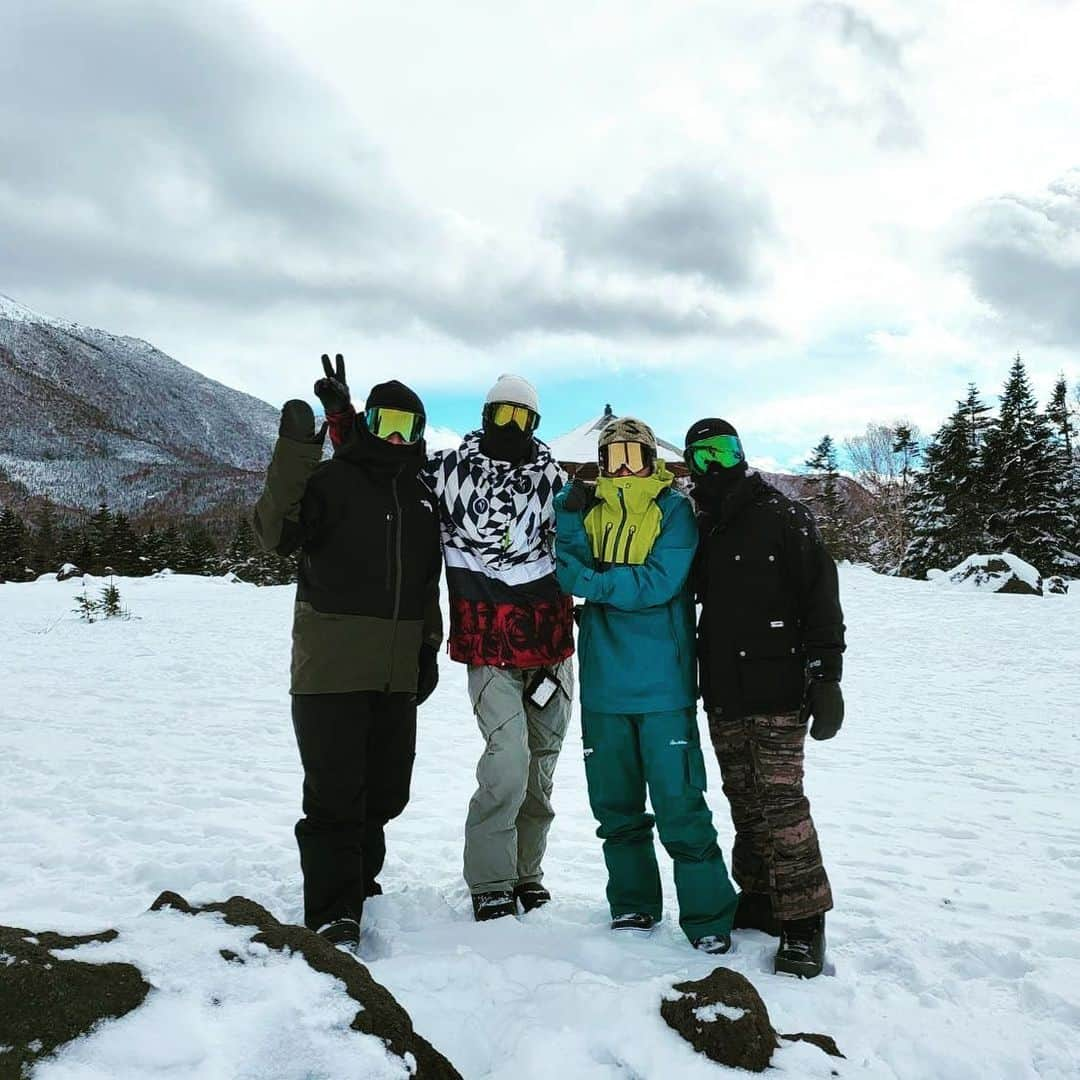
{"type": "Point", "coordinates": [357, 750]}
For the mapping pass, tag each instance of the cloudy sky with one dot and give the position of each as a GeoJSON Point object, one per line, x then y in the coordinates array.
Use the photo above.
{"type": "Point", "coordinates": [800, 215]}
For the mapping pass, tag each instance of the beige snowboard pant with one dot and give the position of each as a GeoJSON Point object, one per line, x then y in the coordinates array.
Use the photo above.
{"type": "Point", "coordinates": [510, 814]}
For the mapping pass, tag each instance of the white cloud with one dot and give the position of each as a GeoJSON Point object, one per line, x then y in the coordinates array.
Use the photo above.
{"type": "Point", "coordinates": [251, 191]}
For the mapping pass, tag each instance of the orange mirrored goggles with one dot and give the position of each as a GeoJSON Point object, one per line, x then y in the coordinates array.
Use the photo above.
{"type": "Point", "coordinates": [503, 413]}
{"type": "Point", "coordinates": [635, 456]}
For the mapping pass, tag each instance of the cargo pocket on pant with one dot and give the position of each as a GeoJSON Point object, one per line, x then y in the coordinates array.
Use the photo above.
{"type": "Point", "coordinates": [695, 769]}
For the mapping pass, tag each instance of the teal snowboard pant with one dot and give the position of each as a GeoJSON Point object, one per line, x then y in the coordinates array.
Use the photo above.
{"type": "Point", "coordinates": [660, 750]}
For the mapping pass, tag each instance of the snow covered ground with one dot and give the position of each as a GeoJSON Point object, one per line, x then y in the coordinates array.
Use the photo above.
{"type": "Point", "coordinates": [158, 754]}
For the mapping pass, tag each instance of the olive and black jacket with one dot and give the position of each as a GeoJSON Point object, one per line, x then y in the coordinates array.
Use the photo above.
{"type": "Point", "coordinates": [367, 531]}
{"type": "Point", "coordinates": [770, 602]}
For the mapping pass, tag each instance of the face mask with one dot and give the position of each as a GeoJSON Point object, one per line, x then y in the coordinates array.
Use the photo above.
{"type": "Point", "coordinates": [507, 443]}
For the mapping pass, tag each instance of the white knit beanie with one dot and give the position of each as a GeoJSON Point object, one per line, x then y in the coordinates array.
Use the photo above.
{"type": "Point", "coordinates": [514, 390]}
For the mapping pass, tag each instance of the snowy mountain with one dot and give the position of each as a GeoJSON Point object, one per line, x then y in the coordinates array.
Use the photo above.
{"type": "Point", "coordinates": [90, 416]}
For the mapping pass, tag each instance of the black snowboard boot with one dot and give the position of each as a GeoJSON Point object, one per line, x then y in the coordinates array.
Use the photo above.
{"type": "Point", "coordinates": [755, 913]}
{"type": "Point", "coordinates": [635, 922]}
{"type": "Point", "coordinates": [802, 947]}
{"type": "Point", "coordinates": [342, 932]}
{"type": "Point", "coordinates": [714, 944]}
{"type": "Point", "coordinates": [531, 895]}
{"type": "Point", "coordinates": [493, 905]}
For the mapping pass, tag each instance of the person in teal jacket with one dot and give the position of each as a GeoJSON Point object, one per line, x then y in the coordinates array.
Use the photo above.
{"type": "Point", "coordinates": [627, 547]}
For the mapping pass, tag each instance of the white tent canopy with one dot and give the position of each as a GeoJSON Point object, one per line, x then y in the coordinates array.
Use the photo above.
{"type": "Point", "coordinates": [578, 447]}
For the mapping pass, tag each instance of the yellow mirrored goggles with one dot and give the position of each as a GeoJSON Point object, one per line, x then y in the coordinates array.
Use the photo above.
{"type": "Point", "coordinates": [635, 456]}
{"type": "Point", "coordinates": [504, 413]}
{"type": "Point", "coordinates": [387, 422]}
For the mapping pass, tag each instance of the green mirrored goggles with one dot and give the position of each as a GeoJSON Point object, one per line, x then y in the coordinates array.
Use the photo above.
{"type": "Point", "coordinates": [723, 450]}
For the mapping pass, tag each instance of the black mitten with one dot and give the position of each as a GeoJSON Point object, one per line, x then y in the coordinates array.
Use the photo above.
{"type": "Point", "coordinates": [298, 423]}
{"type": "Point", "coordinates": [429, 674]}
{"type": "Point", "coordinates": [825, 703]}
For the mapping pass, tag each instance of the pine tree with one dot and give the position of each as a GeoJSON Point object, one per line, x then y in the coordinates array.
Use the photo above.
{"type": "Point", "coordinates": [1028, 516]}
{"type": "Point", "coordinates": [1060, 414]}
{"type": "Point", "coordinates": [46, 543]}
{"type": "Point", "coordinates": [99, 541]}
{"type": "Point", "coordinates": [826, 500]}
{"type": "Point", "coordinates": [239, 558]}
{"type": "Point", "coordinates": [110, 605]}
{"type": "Point", "coordinates": [14, 546]}
{"type": "Point", "coordinates": [948, 497]}
{"type": "Point", "coordinates": [199, 552]}
{"type": "Point", "coordinates": [172, 554]}
{"type": "Point", "coordinates": [125, 547]}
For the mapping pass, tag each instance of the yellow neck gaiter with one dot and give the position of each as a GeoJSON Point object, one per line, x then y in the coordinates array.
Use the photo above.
{"type": "Point", "coordinates": [623, 527]}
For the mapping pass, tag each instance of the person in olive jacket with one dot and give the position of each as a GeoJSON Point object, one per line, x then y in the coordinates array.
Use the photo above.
{"type": "Point", "coordinates": [366, 630]}
{"type": "Point", "coordinates": [770, 645]}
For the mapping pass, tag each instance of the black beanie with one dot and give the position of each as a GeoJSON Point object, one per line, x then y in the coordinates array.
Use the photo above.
{"type": "Point", "coordinates": [705, 429]}
{"type": "Point", "coordinates": [394, 395]}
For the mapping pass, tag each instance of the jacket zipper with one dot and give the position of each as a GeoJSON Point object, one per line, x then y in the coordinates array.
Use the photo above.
{"type": "Point", "coordinates": [603, 542]}
{"type": "Point", "coordinates": [389, 552]}
{"type": "Point", "coordinates": [397, 580]}
{"type": "Point", "coordinates": [622, 524]}
{"type": "Point", "coordinates": [629, 541]}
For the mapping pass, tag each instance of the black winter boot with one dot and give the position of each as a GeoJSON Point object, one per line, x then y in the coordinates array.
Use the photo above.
{"type": "Point", "coordinates": [755, 912]}
{"type": "Point", "coordinates": [531, 895]}
{"type": "Point", "coordinates": [342, 932]}
{"type": "Point", "coordinates": [634, 922]}
{"type": "Point", "coordinates": [493, 905]}
{"type": "Point", "coordinates": [802, 947]}
{"type": "Point", "coordinates": [714, 944]}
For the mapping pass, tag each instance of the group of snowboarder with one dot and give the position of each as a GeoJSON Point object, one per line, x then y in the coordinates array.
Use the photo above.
{"type": "Point", "coordinates": [373, 526]}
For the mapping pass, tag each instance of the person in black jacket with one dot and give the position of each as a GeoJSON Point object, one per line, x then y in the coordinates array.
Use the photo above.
{"type": "Point", "coordinates": [770, 645]}
{"type": "Point", "coordinates": [366, 631]}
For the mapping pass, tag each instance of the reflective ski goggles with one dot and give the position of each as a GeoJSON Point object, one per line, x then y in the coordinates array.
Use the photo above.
{"type": "Point", "coordinates": [386, 422]}
{"type": "Point", "coordinates": [504, 413]}
{"type": "Point", "coordinates": [723, 450]}
{"type": "Point", "coordinates": [635, 456]}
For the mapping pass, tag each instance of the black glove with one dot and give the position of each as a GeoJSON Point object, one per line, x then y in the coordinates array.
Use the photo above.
{"type": "Point", "coordinates": [333, 390]}
{"type": "Point", "coordinates": [825, 703]}
{"type": "Point", "coordinates": [578, 497]}
{"type": "Point", "coordinates": [429, 674]}
{"type": "Point", "coordinates": [298, 423]}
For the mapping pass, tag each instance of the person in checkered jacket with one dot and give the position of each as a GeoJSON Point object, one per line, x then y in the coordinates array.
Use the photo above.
{"type": "Point", "coordinates": [512, 626]}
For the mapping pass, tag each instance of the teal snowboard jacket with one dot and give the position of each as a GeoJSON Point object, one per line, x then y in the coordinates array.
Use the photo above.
{"type": "Point", "coordinates": [636, 648]}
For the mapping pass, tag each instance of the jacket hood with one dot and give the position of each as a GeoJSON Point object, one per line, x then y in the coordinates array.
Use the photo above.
{"type": "Point", "coordinates": [637, 491]}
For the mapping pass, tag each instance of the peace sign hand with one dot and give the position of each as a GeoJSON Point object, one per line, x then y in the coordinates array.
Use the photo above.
{"type": "Point", "coordinates": [333, 390]}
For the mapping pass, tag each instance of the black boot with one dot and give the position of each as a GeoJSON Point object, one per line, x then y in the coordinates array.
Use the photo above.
{"type": "Point", "coordinates": [531, 895]}
{"type": "Point", "coordinates": [342, 932]}
{"type": "Point", "coordinates": [713, 944]}
{"type": "Point", "coordinates": [493, 905]}
{"type": "Point", "coordinates": [802, 947]}
{"type": "Point", "coordinates": [755, 912]}
{"type": "Point", "coordinates": [635, 922]}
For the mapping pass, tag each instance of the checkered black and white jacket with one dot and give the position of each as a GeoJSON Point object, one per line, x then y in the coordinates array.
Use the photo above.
{"type": "Point", "coordinates": [497, 522]}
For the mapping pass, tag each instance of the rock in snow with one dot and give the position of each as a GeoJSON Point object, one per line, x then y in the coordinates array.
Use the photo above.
{"type": "Point", "coordinates": [723, 1017]}
{"type": "Point", "coordinates": [995, 573]}
{"type": "Point", "coordinates": [46, 1000]}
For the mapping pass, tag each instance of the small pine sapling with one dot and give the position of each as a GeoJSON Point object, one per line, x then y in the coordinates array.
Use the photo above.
{"type": "Point", "coordinates": [86, 608]}
{"type": "Point", "coordinates": [109, 605]}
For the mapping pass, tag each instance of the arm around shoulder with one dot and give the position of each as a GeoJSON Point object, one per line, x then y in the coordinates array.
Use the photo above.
{"type": "Point", "coordinates": [664, 573]}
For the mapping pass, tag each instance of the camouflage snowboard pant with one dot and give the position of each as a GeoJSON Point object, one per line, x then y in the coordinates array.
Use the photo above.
{"type": "Point", "coordinates": [776, 846]}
